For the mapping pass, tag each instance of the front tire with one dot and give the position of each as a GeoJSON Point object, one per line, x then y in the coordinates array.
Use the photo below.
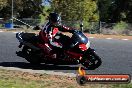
{"type": "Point", "coordinates": [91, 60]}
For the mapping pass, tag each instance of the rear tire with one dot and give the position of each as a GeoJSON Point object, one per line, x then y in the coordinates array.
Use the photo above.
{"type": "Point", "coordinates": [31, 56]}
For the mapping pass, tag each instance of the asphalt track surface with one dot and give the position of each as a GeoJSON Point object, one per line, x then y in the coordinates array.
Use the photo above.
{"type": "Point", "coordinates": [116, 56]}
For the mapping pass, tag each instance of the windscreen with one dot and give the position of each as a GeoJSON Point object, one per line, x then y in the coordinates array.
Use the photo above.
{"type": "Point", "coordinates": [79, 37]}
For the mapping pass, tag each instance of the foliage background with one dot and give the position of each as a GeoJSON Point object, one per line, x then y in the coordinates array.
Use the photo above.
{"type": "Point", "coordinates": [90, 12]}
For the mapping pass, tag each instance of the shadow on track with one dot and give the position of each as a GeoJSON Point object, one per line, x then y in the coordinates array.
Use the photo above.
{"type": "Point", "coordinates": [24, 65]}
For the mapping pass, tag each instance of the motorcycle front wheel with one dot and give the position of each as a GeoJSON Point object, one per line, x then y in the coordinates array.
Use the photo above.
{"type": "Point", "coordinates": [91, 61]}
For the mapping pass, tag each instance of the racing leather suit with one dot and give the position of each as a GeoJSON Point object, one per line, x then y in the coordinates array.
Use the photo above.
{"type": "Point", "coordinates": [48, 33]}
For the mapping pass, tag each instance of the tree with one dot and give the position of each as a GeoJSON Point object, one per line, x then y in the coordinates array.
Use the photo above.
{"type": "Point", "coordinates": [76, 9]}
{"type": "Point", "coordinates": [22, 8]}
{"type": "Point", "coordinates": [115, 10]}
{"type": "Point", "coordinates": [3, 3]}
{"type": "Point", "coordinates": [105, 8]}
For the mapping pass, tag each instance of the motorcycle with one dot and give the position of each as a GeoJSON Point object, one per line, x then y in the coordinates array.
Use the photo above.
{"type": "Point", "coordinates": [80, 52]}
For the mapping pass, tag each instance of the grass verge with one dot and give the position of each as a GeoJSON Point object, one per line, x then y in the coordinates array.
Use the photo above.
{"type": "Point", "coordinates": [18, 79]}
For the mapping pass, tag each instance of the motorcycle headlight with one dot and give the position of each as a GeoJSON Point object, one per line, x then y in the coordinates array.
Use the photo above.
{"type": "Point", "coordinates": [84, 47]}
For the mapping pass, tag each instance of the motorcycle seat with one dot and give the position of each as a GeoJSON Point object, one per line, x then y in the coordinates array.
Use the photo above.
{"type": "Point", "coordinates": [30, 37]}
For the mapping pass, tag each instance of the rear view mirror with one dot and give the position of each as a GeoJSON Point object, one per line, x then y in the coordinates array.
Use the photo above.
{"type": "Point", "coordinates": [81, 26]}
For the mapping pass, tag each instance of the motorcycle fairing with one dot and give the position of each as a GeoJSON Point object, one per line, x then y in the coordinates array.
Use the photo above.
{"type": "Point", "coordinates": [83, 47]}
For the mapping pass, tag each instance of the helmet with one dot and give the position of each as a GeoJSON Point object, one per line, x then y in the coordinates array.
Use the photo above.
{"type": "Point", "coordinates": [54, 18]}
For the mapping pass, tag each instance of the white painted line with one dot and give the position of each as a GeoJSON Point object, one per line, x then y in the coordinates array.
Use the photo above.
{"type": "Point", "coordinates": [90, 37]}
{"type": "Point", "coordinates": [15, 32]}
{"type": "Point", "coordinates": [125, 39]}
{"type": "Point", "coordinates": [108, 38]}
{"type": "Point", "coordinates": [1, 31]}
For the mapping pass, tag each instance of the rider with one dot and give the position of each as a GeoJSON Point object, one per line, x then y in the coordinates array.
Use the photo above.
{"type": "Point", "coordinates": [51, 29]}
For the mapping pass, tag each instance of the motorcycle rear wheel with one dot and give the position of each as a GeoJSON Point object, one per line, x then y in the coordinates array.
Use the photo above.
{"type": "Point", "coordinates": [31, 56]}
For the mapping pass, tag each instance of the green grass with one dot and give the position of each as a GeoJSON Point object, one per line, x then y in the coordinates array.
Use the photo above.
{"type": "Point", "coordinates": [121, 26]}
{"type": "Point", "coordinates": [22, 83]}
{"type": "Point", "coordinates": [122, 86]}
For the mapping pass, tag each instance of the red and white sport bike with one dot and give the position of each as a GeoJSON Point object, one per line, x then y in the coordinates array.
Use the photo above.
{"type": "Point", "coordinates": [80, 52]}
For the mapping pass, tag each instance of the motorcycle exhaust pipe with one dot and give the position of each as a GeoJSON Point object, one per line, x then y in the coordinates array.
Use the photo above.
{"type": "Point", "coordinates": [31, 46]}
